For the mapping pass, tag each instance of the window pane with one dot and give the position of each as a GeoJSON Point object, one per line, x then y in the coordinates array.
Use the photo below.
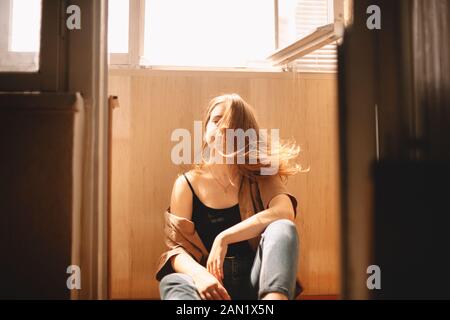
{"type": "Point", "coordinates": [26, 25]}
{"type": "Point", "coordinates": [118, 26]}
{"type": "Point", "coordinates": [208, 32]}
{"type": "Point", "coordinates": [297, 19]}
{"type": "Point", "coordinates": [20, 35]}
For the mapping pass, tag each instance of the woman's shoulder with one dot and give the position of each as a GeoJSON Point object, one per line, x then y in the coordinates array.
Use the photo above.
{"type": "Point", "coordinates": [194, 175]}
{"type": "Point", "coordinates": [181, 198]}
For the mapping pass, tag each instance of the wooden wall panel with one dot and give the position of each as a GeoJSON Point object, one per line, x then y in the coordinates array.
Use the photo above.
{"type": "Point", "coordinates": [154, 103]}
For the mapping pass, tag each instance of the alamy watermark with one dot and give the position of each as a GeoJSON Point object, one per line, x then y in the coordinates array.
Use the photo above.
{"type": "Point", "coordinates": [374, 20]}
{"type": "Point", "coordinates": [74, 280]}
{"type": "Point", "coordinates": [251, 147]}
{"type": "Point", "coordinates": [374, 280]}
{"type": "Point", "coordinates": [73, 22]}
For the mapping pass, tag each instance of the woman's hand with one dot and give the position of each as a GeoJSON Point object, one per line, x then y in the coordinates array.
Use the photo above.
{"type": "Point", "coordinates": [216, 257]}
{"type": "Point", "coordinates": [209, 287]}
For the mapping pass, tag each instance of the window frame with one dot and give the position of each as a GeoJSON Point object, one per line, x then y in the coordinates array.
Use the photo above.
{"type": "Point", "coordinates": [135, 38]}
{"type": "Point", "coordinates": [322, 36]}
{"type": "Point", "coordinates": [134, 58]}
{"type": "Point", "coordinates": [11, 59]}
{"type": "Point", "coordinates": [50, 75]}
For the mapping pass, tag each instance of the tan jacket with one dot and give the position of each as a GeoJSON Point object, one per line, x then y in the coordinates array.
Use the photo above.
{"type": "Point", "coordinates": [181, 236]}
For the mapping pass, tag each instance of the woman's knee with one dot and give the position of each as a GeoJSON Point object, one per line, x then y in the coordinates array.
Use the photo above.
{"type": "Point", "coordinates": [282, 229]}
{"type": "Point", "coordinates": [177, 286]}
{"type": "Point", "coordinates": [176, 279]}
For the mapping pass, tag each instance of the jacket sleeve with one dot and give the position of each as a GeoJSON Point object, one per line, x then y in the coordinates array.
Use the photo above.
{"type": "Point", "coordinates": [180, 237]}
{"type": "Point", "coordinates": [164, 266]}
{"type": "Point", "coordinates": [271, 186]}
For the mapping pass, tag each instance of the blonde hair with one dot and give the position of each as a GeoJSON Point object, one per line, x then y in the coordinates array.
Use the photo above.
{"type": "Point", "coordinates": [238, 114]}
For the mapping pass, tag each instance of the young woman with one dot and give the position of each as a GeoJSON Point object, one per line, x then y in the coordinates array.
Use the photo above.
{"type": "Point", "coordinates": [211, 199]}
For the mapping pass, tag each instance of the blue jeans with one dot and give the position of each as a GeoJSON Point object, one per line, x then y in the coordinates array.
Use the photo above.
{"type": "Point", "coordinates": [272, 269]}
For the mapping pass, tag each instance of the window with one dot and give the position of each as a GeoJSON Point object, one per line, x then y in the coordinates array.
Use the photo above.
{"type": "Point", "coordinates": [118, 26]}
{"type": "Point", "coordinates": [20, 35]}
{"type": "Point", "coordinates": [222, 33]}
{"type": "Point", "coordinates": [33, 45]}
{"type": "Point", "coordinates": [125, 31]}
{"type": "Point", "coordinates": [231, 33]}
{"type": "Point", "coordinates": [300, 18]}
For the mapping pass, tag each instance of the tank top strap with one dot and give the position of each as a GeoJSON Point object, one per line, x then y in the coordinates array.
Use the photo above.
{"type": "Point", "coordinates": [190, 186]}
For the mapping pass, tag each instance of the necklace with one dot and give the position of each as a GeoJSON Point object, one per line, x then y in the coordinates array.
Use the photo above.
{"type": "Point", "coordinates": [225, 188]}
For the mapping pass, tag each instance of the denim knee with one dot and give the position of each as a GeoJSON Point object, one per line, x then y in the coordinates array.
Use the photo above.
{"type": "Point", "coordinates": [282, 230]}
{"type": "Point", "coordinates": [280, 245]}
{"type": "Point", "coordinates": [178, 286]}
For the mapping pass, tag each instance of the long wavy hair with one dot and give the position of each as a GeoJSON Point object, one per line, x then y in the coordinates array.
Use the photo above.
{"type": "Point", "coordinates": [238, 114]}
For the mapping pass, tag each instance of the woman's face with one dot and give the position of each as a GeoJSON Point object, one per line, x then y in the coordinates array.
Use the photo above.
{"type": "Point", "coordinates": [213, 123]}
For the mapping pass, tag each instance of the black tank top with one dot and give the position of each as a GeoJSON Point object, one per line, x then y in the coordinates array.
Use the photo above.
{"type": "Point", "coordinates": [209, 222]}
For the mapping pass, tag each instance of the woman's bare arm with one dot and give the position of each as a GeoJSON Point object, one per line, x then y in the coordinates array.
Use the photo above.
{"type": "Point", "coordinates": [184, 263]}
{"type": "Point", "coordinates": [208, 286]}
{"type": "Point", "coordinates": [280, 207]}
{"type": "Point", "coordinates": [181, 205]}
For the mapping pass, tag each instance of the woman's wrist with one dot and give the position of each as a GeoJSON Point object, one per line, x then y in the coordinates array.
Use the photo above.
{"type": "Point", "coordinates": [225, 237]}
{"type": "Point", "coordinates": [198, 272]}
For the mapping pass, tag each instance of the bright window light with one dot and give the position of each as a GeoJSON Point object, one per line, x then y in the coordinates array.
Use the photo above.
{"type": "Point", "coordinates": [118, 26]}
{"type": "Point", "coordinates": [223, 33]}
{"type": "Point", "coordinates": [26, 25]}
{"type": "Point", "coordinates": [299, 18]}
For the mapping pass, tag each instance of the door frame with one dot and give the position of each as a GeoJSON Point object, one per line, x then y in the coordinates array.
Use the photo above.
{"type": "Point", "coordinates": [87, 73]}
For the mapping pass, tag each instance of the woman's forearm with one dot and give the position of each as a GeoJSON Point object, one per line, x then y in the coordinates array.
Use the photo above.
{"type": "Point", "coordinates": [251, 227]}
{"type": "Point", "coordinates": [247, 229]}
{"type": "Point", "coordinates": [184, 263]}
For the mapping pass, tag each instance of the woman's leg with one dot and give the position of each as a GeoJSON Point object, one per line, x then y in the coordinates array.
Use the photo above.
{"type": "Point", "coordinates": [178, 286]}
{"type": "Point", "coordinates": [275, 266]}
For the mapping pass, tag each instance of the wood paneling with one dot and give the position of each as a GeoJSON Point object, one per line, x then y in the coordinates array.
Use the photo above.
{"type": "Point", "coordinates": [155, 102]}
